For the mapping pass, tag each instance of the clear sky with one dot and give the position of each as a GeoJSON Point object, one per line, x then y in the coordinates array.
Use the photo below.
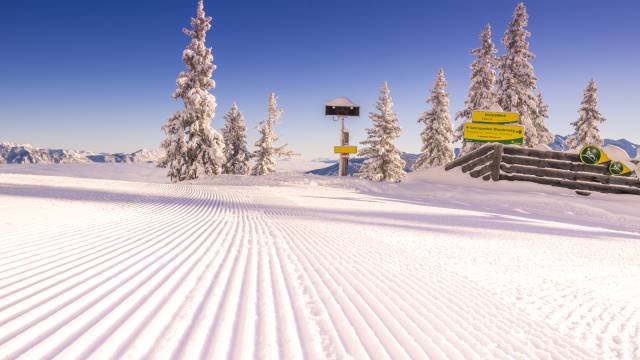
{"type": "Point", "coordinates": [98, 75]}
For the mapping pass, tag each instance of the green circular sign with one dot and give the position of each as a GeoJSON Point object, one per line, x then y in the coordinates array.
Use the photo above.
{"type": "Point", "coordinates": [590, 155]}
{"type": "Point", "coordinates": [616, 168]}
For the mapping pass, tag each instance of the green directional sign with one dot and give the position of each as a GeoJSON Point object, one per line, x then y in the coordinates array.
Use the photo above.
{"type": "Point", "coordinates": [505, 134]}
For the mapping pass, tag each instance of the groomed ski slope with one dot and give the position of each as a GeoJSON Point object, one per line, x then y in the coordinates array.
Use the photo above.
{"type": "Point", "coordinates": [306, 267]}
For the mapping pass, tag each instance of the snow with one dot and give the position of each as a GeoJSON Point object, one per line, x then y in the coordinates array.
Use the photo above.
{"type": "Point", "coordinates": [543, 147]}
{"type": "Point", "coordinates": [341, 101]}
{"type": "Point", "coordinates": [112, 261]}
{"type": "Point", "coordinates": [616, 153]}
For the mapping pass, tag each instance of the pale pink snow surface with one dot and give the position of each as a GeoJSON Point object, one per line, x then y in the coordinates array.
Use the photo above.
{"type": "Point", "coordinates": [295, 266]}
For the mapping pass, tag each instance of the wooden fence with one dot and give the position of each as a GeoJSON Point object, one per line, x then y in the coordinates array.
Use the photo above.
{"type": "Point", "coordinates": [513, 163]}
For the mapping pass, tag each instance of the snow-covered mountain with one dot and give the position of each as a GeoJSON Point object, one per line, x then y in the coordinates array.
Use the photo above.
{"type": "Point", "coordinates": [355, 163]}
{"type": "Point", "coordinates": [26, 154]}
{"type": "Point", "coordinates": [560, 144]}
{"type": "Point", "coordinates": [325, 160]}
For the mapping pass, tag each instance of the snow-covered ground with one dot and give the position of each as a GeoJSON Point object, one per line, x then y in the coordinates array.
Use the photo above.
{"type": "Point", "coordinates": [110, 261]}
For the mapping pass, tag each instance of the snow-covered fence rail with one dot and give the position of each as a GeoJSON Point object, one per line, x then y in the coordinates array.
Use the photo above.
{"type": "Point", "coordinates": [499, 162]}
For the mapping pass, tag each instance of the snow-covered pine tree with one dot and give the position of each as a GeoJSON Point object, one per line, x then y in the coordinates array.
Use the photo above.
{"type": "Point", "coordinates": [481, 92]}
{"type": "Point", "coordinates": [266, 153]}
{"type": "Point", "coordinates": [540, 116]}
{"type": "Point", "coordinates": [516, 80]}
{"type": "Point", "coordinates": [192, 146]}
{"type": "Point", "coordinates": [437, 147]}
{"type": "Point", "coordinates": [235, 142]}
{"type": "Point", "coordinates": [586, 127]}
{"type": "Point", "coordinates": [384, 162]}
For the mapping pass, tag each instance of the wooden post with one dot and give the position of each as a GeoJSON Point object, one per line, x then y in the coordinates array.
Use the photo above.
{"type": "Point", "coordinates": [541, 154]}
{"type": "Point", "coordinates": [344, 163]}
{"type": "Point", "coordinates": [487, 169]}
{"type": "Point", "coordinates": [468, 157]}
{"type": "Point", "coordinates": [477, 162]}
{"type": "Point", "coordinates": [344, 158]}
{"type": "Point", "coordinates": [554, 164]}
{"type": "Point", "coordinates": [497, 159]}
{"type": "Point", "coordinates": [570, 175]}
{"type": "Point", "coordinates": [570, 184]}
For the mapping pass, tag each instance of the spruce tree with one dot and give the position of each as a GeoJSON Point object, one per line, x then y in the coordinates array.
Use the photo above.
{"type": "Point", "coordinates": [384, 162]}
{"type": "Point", "coordinates": [516, 80]}
{"type": "Point", "coordinates": [540, 116]}
{"type": "Point", "coordinates": [235, 143]}
{"type": "Point", "coordinates": [586, 127]}
{"type": "Point", "coordinates": [267, 152]}
{"type": "Point", "coordinates": [437, 149]}
{"type": "Point", "coordinates": [191, 145]}
{"type": "Point", "coordinates": [481, 91]}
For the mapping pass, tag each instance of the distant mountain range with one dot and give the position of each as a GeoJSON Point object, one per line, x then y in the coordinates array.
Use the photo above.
{"type": "Point", "coordinates": [559, 144]}
{"type": "Point", "coordinates": [356, 163]}
{"type": "Point", "coordinates": [26, 154]}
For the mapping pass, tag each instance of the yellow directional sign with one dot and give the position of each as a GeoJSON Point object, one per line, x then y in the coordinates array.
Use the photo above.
{"type": "Point", "coordinates": [505, 134]}
{"type": "Point", "coordinates": [345, 149]}
{"type": "Point", "coordinates": [487, 117]}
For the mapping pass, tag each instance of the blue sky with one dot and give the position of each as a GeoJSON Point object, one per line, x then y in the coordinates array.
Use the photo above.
{"type": "Point", "coordinates": [99, 75]}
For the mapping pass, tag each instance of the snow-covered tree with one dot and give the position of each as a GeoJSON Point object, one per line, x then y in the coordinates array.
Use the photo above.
{"type": "Point", "coordinates": [437, 147]}
{"type": "Point", "coordinates": [481, 91]}
{"type": "Point", "coordinates": [235, 143]}
{"type": "Point", "coordinates": [516, 80]}
{"type": "Point", "coordinates": [384, 162]}
{"type": "Point", "coordinates": [267, 152]}
{"type": "Point", "coordinates": [586, 127]}
{"type": "Point", "coordinates": [540, 116]}
{"type": "Point", "coordinates": [191, 145]}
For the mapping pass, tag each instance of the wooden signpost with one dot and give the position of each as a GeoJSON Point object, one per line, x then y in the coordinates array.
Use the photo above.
{"type": "Point", "coordinates": [340, 108]}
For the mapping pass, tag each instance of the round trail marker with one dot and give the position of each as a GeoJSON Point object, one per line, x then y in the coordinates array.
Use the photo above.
{"type": "Point", "coordinates": [592, 155]}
